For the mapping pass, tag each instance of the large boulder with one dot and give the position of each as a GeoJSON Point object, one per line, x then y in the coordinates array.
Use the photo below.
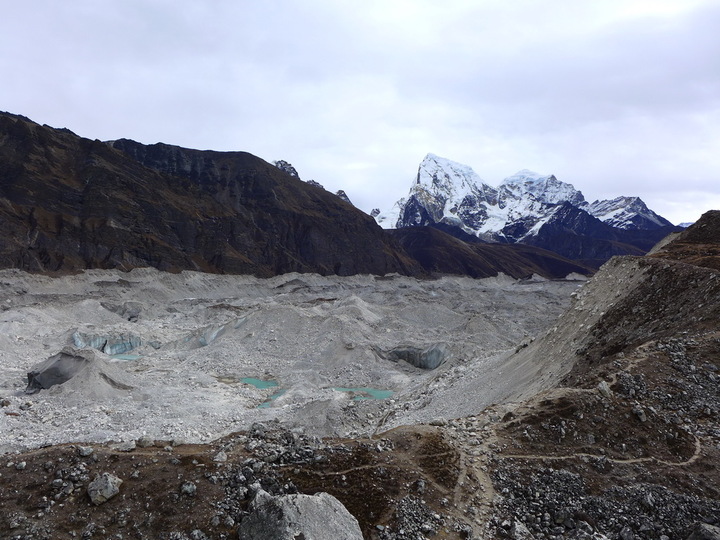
{"type": "Point", "coordinates": [289, 517]}
{"type": "Point", "coordinates": [103, 488]}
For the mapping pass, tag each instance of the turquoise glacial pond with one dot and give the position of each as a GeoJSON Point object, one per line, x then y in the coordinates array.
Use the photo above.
{"type": "Point", "coordinates": [259, 383]}
{"type": "Point", "coordinates": [263, 385]}
{"type": "Point", "coordinates": [363, 392]}
{"type": "Point", "coordinates": [370, 393]}
{"type": "Point", "coordinates": [128, 357]}
{"type": "Point", "coordinates": [272, 398]}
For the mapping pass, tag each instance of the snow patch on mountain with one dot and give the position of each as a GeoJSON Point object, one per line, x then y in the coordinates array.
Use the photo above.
{"type": "Point", "coordinates": [546, 189]}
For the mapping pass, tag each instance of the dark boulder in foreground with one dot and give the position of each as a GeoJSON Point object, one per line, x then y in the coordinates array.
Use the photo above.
{"type": "Point", "coordinates": [703, 531]}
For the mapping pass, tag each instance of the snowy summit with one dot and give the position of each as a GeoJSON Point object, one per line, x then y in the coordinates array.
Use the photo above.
{"type": "Point", "coordinates": [449, 192]}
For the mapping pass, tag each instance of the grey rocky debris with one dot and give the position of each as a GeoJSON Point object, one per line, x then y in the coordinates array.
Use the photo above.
{"type": "Point", "coordinates": [124, 446]}
{"type": "Point", "coordinates": [558, 501]}
{"type": "Point", "coordinates": [518, 531]}
{"type": "Point", "coordinates": [413, 519]}
{"type": "Point", "coordinates": [103, 488]}
{"type": "Point", "coordinates": [289, 517]}
{"type": "Point", "coordinates": [604, 389]}
{"type": "Point", "coordinates": [127, 310]}
{"type": "Point", "coordinates": [145, 442]}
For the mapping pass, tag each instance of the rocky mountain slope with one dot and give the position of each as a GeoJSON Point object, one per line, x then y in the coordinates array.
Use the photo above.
{"type": "Point", "coordinates": [69, 203]}
{"type": "Point", "coordinates": [627, 445]}
{"type": "Point", "coordinates": [441, 253]}
{"type": "Point", "coordinates": [526, 208]}
{"type": "Point", "coordinates": [698, 245]}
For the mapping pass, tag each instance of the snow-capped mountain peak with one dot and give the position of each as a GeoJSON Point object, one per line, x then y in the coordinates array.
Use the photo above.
{"type": "Point", "coordinates": [443, 175]}
{"type": "Point", "coordinates": [445, 191]}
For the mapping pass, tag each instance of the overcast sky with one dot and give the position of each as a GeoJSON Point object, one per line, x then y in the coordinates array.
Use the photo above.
{"type": "Point", "coordinates": [617, 97]}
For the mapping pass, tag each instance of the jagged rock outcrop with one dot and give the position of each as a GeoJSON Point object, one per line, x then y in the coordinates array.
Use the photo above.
{"type": "Point", "coordinates": [343, 196]}
{"type": "Point", "coordinates": [286, 167]}
{"type": "Point", "coordinates": [69, 203]}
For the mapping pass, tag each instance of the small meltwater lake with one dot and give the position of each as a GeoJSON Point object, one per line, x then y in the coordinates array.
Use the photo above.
{"type": "Point", "coordinates": [126, 357]}
{"type": "Point", "coordinates": [369, 393]}
{"type": "Point", "coordinates": [259, 383]}
{"type": "Point", "coordinates": [264, 385]}
{"type": "Point", "coordinates": [361, 392]}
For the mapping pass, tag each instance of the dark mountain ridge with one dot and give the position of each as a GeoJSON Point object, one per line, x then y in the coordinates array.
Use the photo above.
{"type": "Point", "coordinates": [576, 235]}
{"type": "Point", "coordinates": [440, 253]}
{"type": "Point", "coordinates": [70, 203]}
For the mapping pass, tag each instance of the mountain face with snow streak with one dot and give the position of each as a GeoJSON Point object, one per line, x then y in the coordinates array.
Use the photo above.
{"type": "Point", "coordinates": [523, 209]}
{"type": "Point", "coordinates": [626, 213]}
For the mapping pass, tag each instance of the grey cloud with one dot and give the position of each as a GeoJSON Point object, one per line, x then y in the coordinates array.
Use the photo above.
{"type": "Point", "coordinates": [354, 95]}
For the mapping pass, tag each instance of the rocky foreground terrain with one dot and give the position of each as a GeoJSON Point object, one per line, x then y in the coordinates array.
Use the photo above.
{"type": "Point", "coordinates": [603, 422]}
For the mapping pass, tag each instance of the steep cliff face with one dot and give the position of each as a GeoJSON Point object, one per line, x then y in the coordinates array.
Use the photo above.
{"type": "Point", "coordinates": [69, 203]}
